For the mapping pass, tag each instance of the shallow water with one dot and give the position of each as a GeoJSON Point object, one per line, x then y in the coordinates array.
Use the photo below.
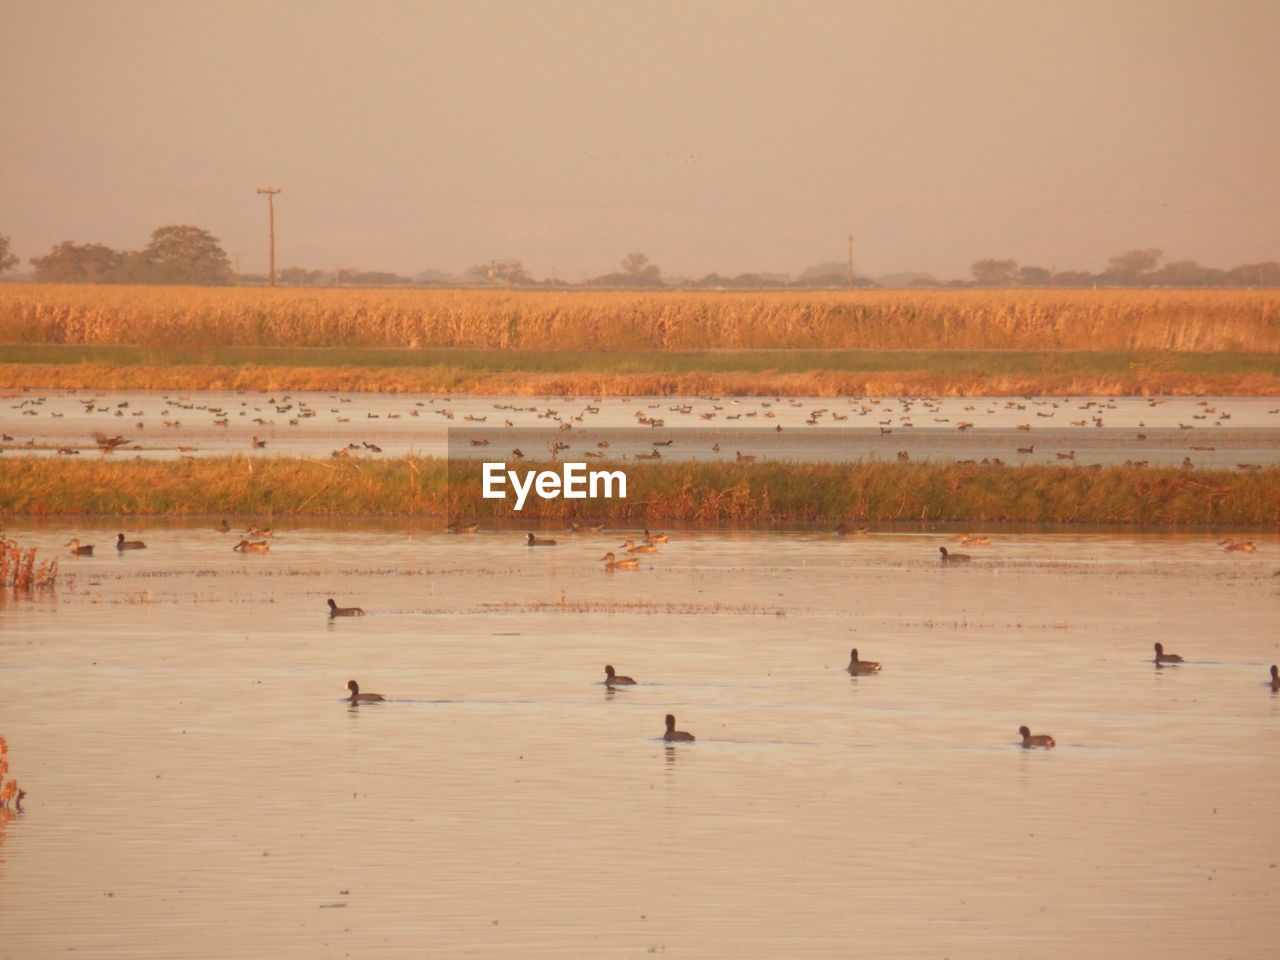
{"type": "Point", "coordinates": [198, 786]}
{"type": "Point", "coordinates": [1218, 432]}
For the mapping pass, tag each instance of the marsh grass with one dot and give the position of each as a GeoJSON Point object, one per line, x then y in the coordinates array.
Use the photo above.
{"type": "Point", "coordinates": [1042, 319]}
{"type": "Point", "coordinates": [759, 494]}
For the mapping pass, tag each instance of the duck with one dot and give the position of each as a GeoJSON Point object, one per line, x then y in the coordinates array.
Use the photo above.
{"type": "Point", "coordinates": [259, 532]}
{"type": "Point", "coordinates": [358, 697]}
{"type": "Point", "coordinates": [1039, 740]}
{"type": "Point", "coordinates": [673, 734]}
{"type": "Point", "coordinates": [1231, 546]}
{"type": "Point", "coordinates": [632, 547]}
{"type": "Point", "coordinates": [1162, 657]}
{"type": "Point", "coordinates": [1275, 679]}
{"type": "Point", "coordinates": [586, 528]}
{"type": "Point", "coordinates": [953, 557]}
{"type": "Point", "coordinates": [79, 551]}
{"type": "Point", "coordinates": [123, 544]}
{"type": "Point", "coordinates": [459, 528]}
{"type": "Point", "coordinates": [337, 611]}
{"type": "Point", "coordinates": [223, 527]}
{"type": "Point", "coordinates": [259, 546]}
{"type": "Point", "coordinates": [654, 537]}
{"type": "Point", "coordinates": [539, 541]}
{"type": "Point", "coordinates": [857, 666]}
{"type": "Point", "coordinates": [611, 679]}
{"type": "Point", "coordinates": [969, 540]}
{"type": "Point", "coordinates": [631, 563]}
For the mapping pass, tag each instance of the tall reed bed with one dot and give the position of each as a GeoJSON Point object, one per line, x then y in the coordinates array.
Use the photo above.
{"type": "Point", "coordinates": [761, 494]}
{"type": "Point", "coordinates": [1042, 319]}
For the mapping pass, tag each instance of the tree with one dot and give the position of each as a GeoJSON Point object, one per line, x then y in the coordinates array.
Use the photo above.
{"type": "Point", "coordinates": [185, 254]}
{"type": "Point", "coordinates": [995, 273]}
{"type": "Point", "coordinates": [1265, 274]}
{"type": "Point", "coordinates": [1131, 264]}
{"type": "Point", "coordinates": [510, 272]}
{"type": "Point", "coordinates": [1035, 277]}
{"type": "Point", "coordinates": [7, 260]}
{"type": "Point", "coordinates": [70, 262]}
{"type": "Point", "coordinates": [638, 267]}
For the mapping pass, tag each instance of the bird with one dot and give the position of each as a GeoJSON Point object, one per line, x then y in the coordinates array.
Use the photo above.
{"type": "Point", "coordinates": [337, 611]}
{"type": "Point", "coordinates": [259, 532]}
{"type": "Point", "coordinates": [631, 563]}
{"type": "Point", "coordinates": [244, 546]}
{"type": "Point", "coordinates": [611, 679]}
{"type": "Point", "coordinates": [1162, 657]}
{"type": "Point", "coordinates": [123, 544]}
{"type": "Point", "coordinates": [79, 551]}
{"type": "Point", "coordinates": [953, 557]}
{"type": "Point", "coordinates": [223, 527]}
{"type": "Point", "coordinates": [654, 537]}
{"type": "Point", "coordinates": [858, 667]}
{"type": "Point", "coordinates": [632, 547]}
{"type": "Point", "coordinates": [358, 697]}
{"type": "Point", "coordinates": [539, 541]}
{"type": "Point", "coordinates": [1039, 740]}
{"type": "Point", "coordinates": [969, 540]}
{"type": "Point", "coordinates": [857, 530]}
{"type": "Point", "coordinates": [459, 528]}
{"type": "Point", "coordinates": [1231, 546]}
{"type": "Point", "coordinates": [674, 734]}
{"type": "Point", "coordinates": [1275, 678]}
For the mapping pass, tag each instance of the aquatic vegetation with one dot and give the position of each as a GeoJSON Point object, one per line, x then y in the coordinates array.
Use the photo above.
{"type": "Point", "coordinates": [660, 492]}
{"type": "Point", "coordinates": [10, 793]}
{"type": "Point", "coordinates": [18, 568]}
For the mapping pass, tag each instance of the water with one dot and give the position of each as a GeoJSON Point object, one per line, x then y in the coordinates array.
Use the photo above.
{"type": "Point", "coordinates": [1217, 432]}
{"type": "Point", "coordinates": [198, 786]}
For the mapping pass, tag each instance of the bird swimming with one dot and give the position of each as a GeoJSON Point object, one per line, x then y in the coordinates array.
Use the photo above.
{"type": "Point", "coordinates": [358, 697]}
{"type": "Point", "coordinates": [337, 611]}
{"type": "Point", "coordinates": [857, 666]}
{"type": "Point", "coordinates": [123, 544]}
{"type": "Point", "coordinates": [79, 551]}
{"type": "Point", "coordinates": [1162, 657]}
{"type": "Point", "coordinates": [673, 734]}
{"type": "Point", "coordinates": [1039, 740]}
{"type": "Point", "coordinates": [612, 679]}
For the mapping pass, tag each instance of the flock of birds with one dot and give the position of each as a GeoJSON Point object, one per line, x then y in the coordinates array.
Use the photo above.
{"type": "Point", "coordinates": [566, 413]}
{"type": "Point", "coordinates": [649, 544]}
{"type": "Point", "coordinates": [857, 667]}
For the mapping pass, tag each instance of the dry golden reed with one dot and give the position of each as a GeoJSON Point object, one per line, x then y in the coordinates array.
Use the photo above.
{"type": "Point", "coordinates": [761, 494]}
{"type": "Point", "coordinates": [1040, 319]}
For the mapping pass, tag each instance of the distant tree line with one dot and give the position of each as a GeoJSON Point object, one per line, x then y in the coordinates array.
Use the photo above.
{"type": "Point", "coordinates": [176, 254]}
{"type": "Point", "coordinates": [1133, 268]}
{"type": "Point", "coordinates": [190, 255]}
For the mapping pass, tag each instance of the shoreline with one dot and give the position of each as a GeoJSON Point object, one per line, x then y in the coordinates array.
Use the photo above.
{"type": "Point", "coordinates": [455, 380]}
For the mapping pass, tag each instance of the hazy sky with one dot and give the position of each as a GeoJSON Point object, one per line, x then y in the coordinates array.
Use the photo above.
{"type": "Point", "coordinates": [727, 136]}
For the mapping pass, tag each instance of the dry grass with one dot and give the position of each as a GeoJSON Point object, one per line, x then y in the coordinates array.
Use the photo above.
{"type": "Point", "coordinates": [10, 793]}
{"type": "Point", "coordinates": [18, 570]}
{"type": "Point", "coordinates": [759, 494]}
{"type": "Point", "coordinates": [1212, 320]}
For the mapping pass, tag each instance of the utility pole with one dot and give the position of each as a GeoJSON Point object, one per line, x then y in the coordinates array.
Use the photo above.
{"type": "Point", "coordinates": [271, 220]}
{"type": "Point", "coordinates": [851, 260]}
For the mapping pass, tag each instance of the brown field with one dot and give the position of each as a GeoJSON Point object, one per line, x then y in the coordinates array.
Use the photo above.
{"type": "Point", "coordinates": [1038, 319]}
